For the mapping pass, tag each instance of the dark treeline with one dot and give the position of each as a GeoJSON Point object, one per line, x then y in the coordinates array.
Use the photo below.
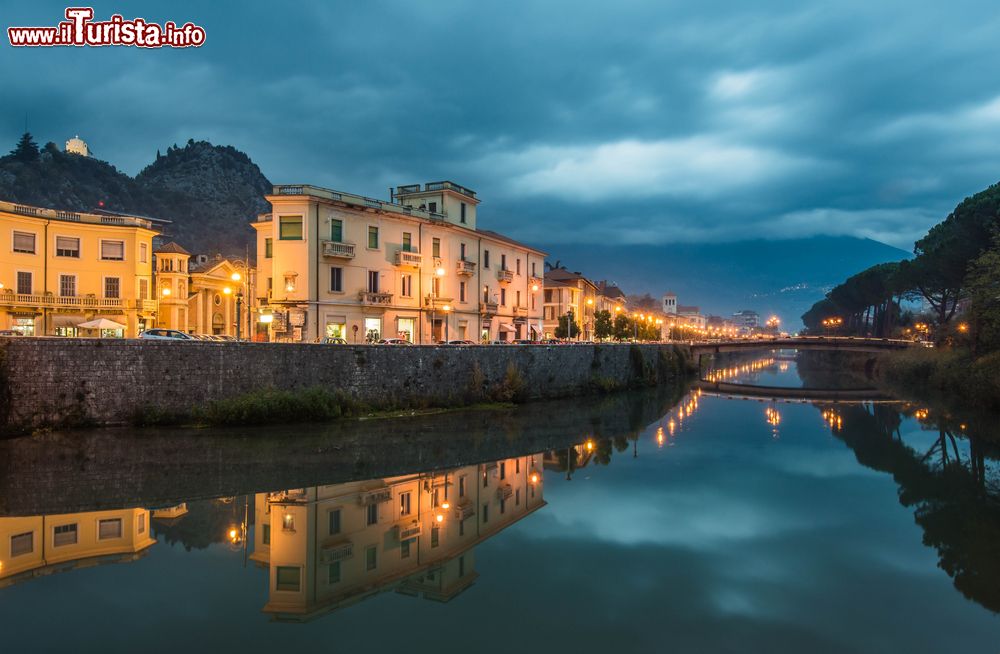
{"type": "Point", "coordinates": [955, 271]}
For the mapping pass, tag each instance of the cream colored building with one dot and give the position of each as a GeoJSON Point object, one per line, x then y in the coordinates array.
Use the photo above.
{"type": "Point", "coordinates": [327, 547]}
{"type": "Point", "coordinates": [203, 295]}
{"type": "Point", "coordinates": [333, 264]}
{"type": "Point", "coordinates": [61, 268]}
{"type": "Point", "coordinates": [40, 545]}
{"type": "Point", "coordinates": [569, 291]}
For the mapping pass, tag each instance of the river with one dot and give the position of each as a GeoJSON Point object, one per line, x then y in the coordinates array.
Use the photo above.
{"type": "Point", "coordinates": [635, 522]}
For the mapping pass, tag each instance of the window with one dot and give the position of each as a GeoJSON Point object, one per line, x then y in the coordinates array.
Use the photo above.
{"type": "Point", "coordinates": [64, 535]}
{"type": "Point", "coordinates": [517, 497]}
{"type": "Point", "coordinates": [461, 215]}
{"type": "Point", "coordinates": [436, 248]}
{"type": "Point", "coordinates": [265, 538]}
{"type": "Point", "coordinates": [110, 528]}
{"type": "Point", "coordinates": [143, 289]}
{"type": "Point", "coordinates": [22, 543]}
{"type": "Point", "coordinates": [461, 486]}
{"type": "Point", "coordinates": [373, 281]}
{"type": "Point", "coordinates": [371, 557]}
{"type": "Point", "coordinates": [503, 470]}
{"type": "Point", "coordinates": [373, 238]}
{"type": "Point", "coordinates": [503, 262]}
{"type": "Point", "coordinates": [67, 285]}
{"type": "Point", "coordinates": [372, 515]}
{"type": "Point", "coordinates": [407, 242]}
{"type": "Point", "coordinates": [288, 522]}
{"type": "Point", "coordinates": [112, 287]}
{"type": "Point", "coordinates": [503, 297]}
{"type": "Point", "coordinates": [141, 524]}
{"type": "Point", "coordinates": [287, 578]}
{"type": "Point", "coordinates": [486, 258]}
{"type": "Point", "coordinates": [435, 536]}
{"type": "Point", "coordinates": [518, 263]}
{"type": "Point", "coordinates": [533, 269]}
{"type": "Point", "coordinates": [68, 247]}
{"type": "Point", "coordinates": [334, 522]}
{"type": "Point", "coordinates": [518, 299]}
{"type": "Point", "coordinates": [404, 503]}
{"type": "Point", "coordinates": [113, 250]}
{"type": "Point", "coordinates": [290, 228]}
{"type": "Point", "coordinates": [24, 242]}
{"type": "Point", "coordinates": [432, 207]}
{"type": "Point", "coordinates": [503, 506]}
{"type": "Point", "coordinates": [486, 293]}
{"type": "Point", "coordinates": [336, 230]}
{"type": "Point", "coordinates": [486, 513]}
{"type": "Point", "coordinates": [24, 283]}
{"type": "Point", "coordinates": [461, 527]}
{"type": "Point", "coordinates": [461, 291]}
{"type": "Point", "coordinates": [336, 279]}
{"type": "Point", "coordinates": [268, 248]}
{"type": "Point", "coordinates": [436, 498]}
{"type": "Point", "coordinates": [517, 466]}
{"type": "Point", "coordinates": [333, 573]}
{"type": "Point", "coordinates": [462, 250]}
{"type": "Point", "coordinates": [404, 549]}
{"type": "Point", "coordinates": [406, 285]}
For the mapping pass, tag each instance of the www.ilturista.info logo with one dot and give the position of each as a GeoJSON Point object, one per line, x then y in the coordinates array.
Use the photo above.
{"type": "Point", "coordinates": [79, 29]}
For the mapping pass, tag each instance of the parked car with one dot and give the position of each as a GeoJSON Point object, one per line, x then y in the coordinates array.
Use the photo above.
{"type": "Point", "coordinates": [525, 341]}
{"type": "Point", "coordinates": [499, 343]}
{"type": "Point", "coordinates": [551, 341]}
{"type": "Point", "coordinates": [9, 332]}
{"type": "Point", "coordinates": [166, 334]}
{"type": "Point", "coordinates": [457, 342]}
{"type": "Point", "coordinates": [394, 341]}
{"type": "Point", "coordinates": [334, 340]}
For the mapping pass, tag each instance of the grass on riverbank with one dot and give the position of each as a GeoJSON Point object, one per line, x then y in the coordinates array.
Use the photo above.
{"type": "Point", "coordinates": [951, 375]}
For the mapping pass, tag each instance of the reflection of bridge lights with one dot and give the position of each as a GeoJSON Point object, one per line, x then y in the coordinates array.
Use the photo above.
{"type": "Point", "coordinates": [773, 416]}
{"type": "Point", "coordinates": [671, 425]}
{"type": "Point", "coordinates": [659, 437]}
{"type": "Point", "coordinates": [922, 414]}
{"type": "Point", "coordinates": [833, 419]}
{"type": "Point", "coordinates": [783, 367]}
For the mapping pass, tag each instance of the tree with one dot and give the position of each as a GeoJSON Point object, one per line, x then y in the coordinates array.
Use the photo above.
{"type": "Point", "coordinates": [622, 328]}
{"type": "Point", "coordinates": [568, 326]}
{"type": "Point", "coordinates": [26, 149]}
{"type": "Point", "coordinates": [983, 282]}
{"type": "Point", "coordinates": [603, 327]}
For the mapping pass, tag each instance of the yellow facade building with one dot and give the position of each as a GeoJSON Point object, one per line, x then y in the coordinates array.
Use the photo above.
{"type": "Point", "coordinates": [59, 269]}
{"type": "Point", "coordinates": [566, 292]}
{"type": "Point", "coordinates": [39, 545]}
{"type": "Point", "coordinates": [333, 264]}
{"type": "Point", "coordinates": [327, 547]}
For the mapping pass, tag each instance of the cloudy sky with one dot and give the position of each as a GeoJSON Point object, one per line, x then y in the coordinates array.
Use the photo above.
{"type": "Point", "coordinates": [626, 122]}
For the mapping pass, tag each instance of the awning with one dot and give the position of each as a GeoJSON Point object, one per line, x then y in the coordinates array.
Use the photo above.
{"type": "Point", "coordinates": [101, 323]}
{"type": "Point", "coordinates": [505, 327]}
{"type": "Point", "coordinates": [66, 320]}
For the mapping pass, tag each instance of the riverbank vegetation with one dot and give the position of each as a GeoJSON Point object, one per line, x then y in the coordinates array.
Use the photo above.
{"type": "Point", "coordinates": [955, 276]}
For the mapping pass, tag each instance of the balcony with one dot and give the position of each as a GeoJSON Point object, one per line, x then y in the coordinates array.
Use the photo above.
{"type": "Point", "coordinates": [521, 312]}
{"type": "Point", "coordinates": [438, 302]}
{"type": "Point", "coordinates": [62, 302]}
{"type": "Point", "coordinates": [375, 299]}
{"type": "Point", "coordinates": [377, 496]}
{"type": "Point", "coordinates": [408, 531]}
{"type": "Point", "coordinates": [505, 276]}
{"type": "Point", "coordinates": [465, 268]}
{"type": "Point", "coordinates": [337, 551]}
{"type": "Point", "coordinates": [504, 492]}
{"type": "Point", "coordinates": [464, 511]}
{"type": "Point", "coordinates": [488, 308]}
{"type": "Point", "coordinates": [337, 249]}
{"type": "Point", "coordinates": [409, 259]}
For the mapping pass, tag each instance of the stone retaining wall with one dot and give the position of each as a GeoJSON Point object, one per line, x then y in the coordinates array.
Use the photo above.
{"type": "Point", "coordinates": [50, 382]}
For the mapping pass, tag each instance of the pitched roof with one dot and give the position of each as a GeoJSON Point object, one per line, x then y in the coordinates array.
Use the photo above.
{"type": "Point", "coordinates": [171, 248]}
{"type": "Point", "coordinates": [501, 237]}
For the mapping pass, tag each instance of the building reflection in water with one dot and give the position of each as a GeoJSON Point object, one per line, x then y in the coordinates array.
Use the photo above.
{"type": "Point", "coordinates": [327, 547]}
{"type": "Point", "coordinates": [41, 545]}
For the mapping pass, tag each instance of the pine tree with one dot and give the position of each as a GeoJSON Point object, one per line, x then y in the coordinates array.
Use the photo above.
{"type": "Point", "coordinates": [26, 149]}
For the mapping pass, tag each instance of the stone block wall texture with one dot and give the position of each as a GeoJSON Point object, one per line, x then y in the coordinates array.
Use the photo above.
{"type": "Point", "coordinates": [60, 381]}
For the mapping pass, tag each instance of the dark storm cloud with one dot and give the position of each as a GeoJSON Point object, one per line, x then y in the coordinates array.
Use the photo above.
{"type": "Point", "coordinates": [629, 122]}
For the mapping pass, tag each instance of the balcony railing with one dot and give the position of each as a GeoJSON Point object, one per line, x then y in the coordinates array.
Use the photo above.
{"type": "Point", "coordinates": [338, 249]}
{"type": "Point", "coordinates": [505, 276]}
{"type": "Point", "coordinates": [409, 259]}
{"type": "Point", "coordinates": [465, 511]}
{"type": "Point", "coordinates": [488, 307]}
{"type": "Point", "coordinates": [74, 302]}
{"type": "Point", "coordinates": [504, 492]}
{"type": "Point", "coordinates": [378, 299]}
{"type": "Point", "coordinates": [72, 216]}
{"type": "Point", "coordinates": [333, 552]}
{"type": "Point", "coordinates": [438, 302]}
{"type": "Point", "coordinates": [465, 268]}
{"type": "Point", "coordinates": [521, 311]}
{"type": "Point", "coordinates": [408, 531]}
{"type": "Point", "coordinates": [377, 496]}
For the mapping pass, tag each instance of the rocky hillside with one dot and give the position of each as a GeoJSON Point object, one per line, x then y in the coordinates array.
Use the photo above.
{"type": "Point", "coordinates": [209, 192]}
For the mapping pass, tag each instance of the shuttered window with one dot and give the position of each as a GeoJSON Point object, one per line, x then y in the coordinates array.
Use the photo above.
{"type": "Point", "coordinates": [64, 535]}
{"type": "Point", "coordinates": [24, 242]}
{"type": "Point", "coordinates": [67, 246]}
{"type": "Point", "coordinates": [113, 250]}
{"type": "Point", "coordinates": [67, 285]}
{"type": "Point", "coordinates": [22, 544]}
{"type": "Point", "coordinates": [290, 228]}
{"type": "Point", "coordinates": [111, 528]}
{"type": "Point", "coordinates": [112, 287]}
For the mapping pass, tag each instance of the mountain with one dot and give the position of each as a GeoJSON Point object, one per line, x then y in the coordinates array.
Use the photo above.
{"type": "Point", "coordinates": [771, 277]}
{"type": "Point", "coordinates": [210, 193]}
